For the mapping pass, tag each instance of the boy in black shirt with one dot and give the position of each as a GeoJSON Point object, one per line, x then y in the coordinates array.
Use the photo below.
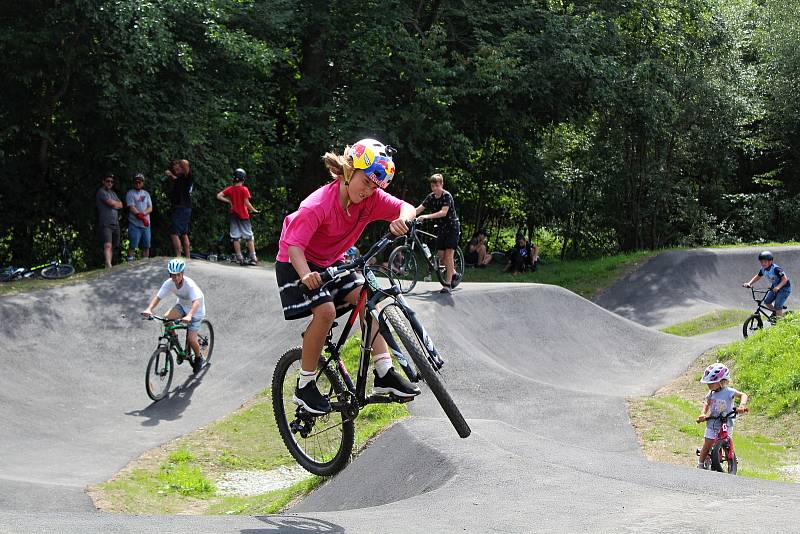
{"type": "Point", "coordinates": [442, 206]}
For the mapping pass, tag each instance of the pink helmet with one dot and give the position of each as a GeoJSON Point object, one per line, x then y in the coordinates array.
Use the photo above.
{"type": "Point", "coordinates": [715, 373]}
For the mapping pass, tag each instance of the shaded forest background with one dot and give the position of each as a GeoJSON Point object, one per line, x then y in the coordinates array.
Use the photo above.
{"type": "Point", "coordinates": [600, 126]}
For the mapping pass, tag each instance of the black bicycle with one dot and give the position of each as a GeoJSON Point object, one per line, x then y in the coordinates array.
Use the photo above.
{"type": "Point", "coordinates": [762, 316]}
{"type": "Point", "coordinates": [161, 365]}
{"type": "Point", "coordinates": [402, 265]}
{"type": "Point", "coordinates": [323, 444]}
{"type": "Point", "coordinates": [52, 270]}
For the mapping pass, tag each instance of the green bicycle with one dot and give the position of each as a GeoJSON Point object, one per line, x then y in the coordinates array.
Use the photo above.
{"type": "Point", "coordinates": [158, 376]}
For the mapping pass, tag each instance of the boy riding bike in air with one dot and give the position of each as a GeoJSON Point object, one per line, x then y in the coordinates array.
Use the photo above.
{"type": "Point", "coordinates": [719, 400]}
{"type": "Point", "coordinates": [779, 284]}
{"type": "Point", "coordinates": [190, 307]}
{"type": "Point", "coordinates": [315, 237]}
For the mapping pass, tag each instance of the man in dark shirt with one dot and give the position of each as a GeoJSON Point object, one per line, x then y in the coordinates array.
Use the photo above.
{"type": "Point", "coordinates": [181, 202]}
{"type": "Point", "coordinates": [443, 207]}
{"type": "Point", "coordinates": [108, 205]}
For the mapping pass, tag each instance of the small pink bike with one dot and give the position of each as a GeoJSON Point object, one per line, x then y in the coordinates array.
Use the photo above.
{"type": "Point", "coordinates": [722, 457]}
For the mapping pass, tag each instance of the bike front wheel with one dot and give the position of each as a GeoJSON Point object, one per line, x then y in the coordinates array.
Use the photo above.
{"type": "Point", "coordinates": [401, 326]}
{"type": "Point", "coordinates": [320, 444]}
{"type": "Point", "coordinates": [720, 459]}
{"type": "Point", "coordinates": [403, 268]}
{"type": "Point", "coordinates": [158, 376]}
{"type": "Point", "coordinates": [752, 324]}
{"type": "Point", "coordinates": [205, 337]}
{"type": "Point", "coordinates": [61, 270]}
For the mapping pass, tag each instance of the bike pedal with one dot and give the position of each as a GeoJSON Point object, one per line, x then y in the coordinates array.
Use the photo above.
{"type": "Point", "coordinates": [400, 400]}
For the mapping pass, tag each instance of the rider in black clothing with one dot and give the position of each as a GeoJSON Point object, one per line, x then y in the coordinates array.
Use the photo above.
{"type": "Point", "coordinates": [443, 207]}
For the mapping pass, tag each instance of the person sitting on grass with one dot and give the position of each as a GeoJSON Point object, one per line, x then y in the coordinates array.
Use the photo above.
{"type": "Point", "coordinates": [779, 285]}
{"type": "Point", "coordinates": [190, 307]}
{"type": "Point", "coordinates": [521, 256]}
{"type": "Point", "coordinates": [719, 400]}
{"type": "Point", "coordinates": [477, 254]}
{"type": "Point", "coordinates": [238, 197]}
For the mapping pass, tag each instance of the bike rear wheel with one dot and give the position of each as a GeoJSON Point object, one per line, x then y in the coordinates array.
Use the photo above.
{"type": "Point", "coordinates": [401, 326]}
{"type": "Point", "coordinates": [158, 376]}
{"type": "Point", "coordinates": [320, 444]}
{"type": "Point", "coordinates": [720, 461]}
{"type": "Point", "coordinates": [205, 337]}
{"type": "Point", "coordinates": [458, 264]}
{"type": "Point", "coordinates": [61, 270]}
{"type": "Point", "coordinates": [752, 324]}
{"type": "Point", "coordinates": [403, 268]}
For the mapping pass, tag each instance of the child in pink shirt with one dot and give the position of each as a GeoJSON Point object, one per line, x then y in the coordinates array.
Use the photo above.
{"type": "Point", "coordinates": [315, 237]}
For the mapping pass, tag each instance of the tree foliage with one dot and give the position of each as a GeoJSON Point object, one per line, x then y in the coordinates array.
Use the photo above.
{"type": "Point", "coordinates": [616, 126]}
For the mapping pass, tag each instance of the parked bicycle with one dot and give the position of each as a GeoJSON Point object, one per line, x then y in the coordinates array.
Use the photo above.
{"type": "Point", "coordinates": [52, 270]}
{"type": "Point", "coordinates": [722, 457]}
{"type": "Point", "coordinates": [402, 265]}
{"type": "Point", "coordinates": [323, 444]}
{"type": "Point", "coordinates": [762, 316]}
{"type": "Point", "coordinates": [161, 365]}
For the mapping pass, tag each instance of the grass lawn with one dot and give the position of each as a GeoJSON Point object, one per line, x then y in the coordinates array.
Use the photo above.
{"type": "Point", "coordinates": [710, 322]}
{"type": "Point", "coordinates": [584, 277]}
{"type": "Point", "coordinates": [666, 428]}
{"type": "Point", "coordinates": [182, 476]}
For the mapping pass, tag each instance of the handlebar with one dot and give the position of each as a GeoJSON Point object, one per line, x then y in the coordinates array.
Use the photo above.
{"type": "Point", "coordinates": [332, 273]}
{"type": "Point", "coordinates": [153, 317]}
{"type": "Point", "coordinates": [724, 416]}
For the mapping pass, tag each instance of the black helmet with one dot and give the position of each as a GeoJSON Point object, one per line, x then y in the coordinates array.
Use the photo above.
{"type": "Point", "coordinates": [239, 175]}
{"type": "Point", "coordinates": [766, 255]}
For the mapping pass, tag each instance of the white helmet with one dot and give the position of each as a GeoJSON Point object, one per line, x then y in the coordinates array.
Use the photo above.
{"type": "Point", "coordinates": [176, 265]}
{"type": "Point", "coordinates": [714, 373]}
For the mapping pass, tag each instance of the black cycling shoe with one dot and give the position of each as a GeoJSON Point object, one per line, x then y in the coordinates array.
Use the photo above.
{"type": "Point", "coordinates": [311, 399]}
{"type": "Point", "coordinates": [197, 364]}
{"type": "Point", "coordinates": [455, 280]}
{"type": "Point", "coordinates": [393, 383]}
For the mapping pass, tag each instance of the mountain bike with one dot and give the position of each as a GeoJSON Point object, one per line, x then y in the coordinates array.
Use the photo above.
{"type": "Point", "coordinates": [402, 265]}
{"type": "Point", "coordinates": [52, 270]}
{"type": "Point", "coordinates": [322, 444]}
{"type": "Point", "coordinates": [160, 367]}
{"type": "Point", "coordinates": [755, 321]}
{"type": "Point", "coordinates": [722, 457]}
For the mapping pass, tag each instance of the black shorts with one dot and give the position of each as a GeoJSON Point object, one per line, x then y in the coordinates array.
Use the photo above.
{"type": "Point", "coordinates": [298, 303]}
{"type": "Point", "coordinates": [448, 238]}
{"type": "Point", "coordinates": [109, 234]}
{"type": "Point", "coordinates": [179, 219]}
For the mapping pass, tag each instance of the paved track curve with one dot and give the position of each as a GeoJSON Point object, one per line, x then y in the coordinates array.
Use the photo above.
{"type": "Point", "coordinates": [540, 373]}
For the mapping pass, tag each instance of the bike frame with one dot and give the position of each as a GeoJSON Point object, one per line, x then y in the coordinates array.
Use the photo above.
{"type": "Point", "coordinates": [169, 337]}
{"type": "Point", "coordinates": [370, 296]}
{"type": "Point", "coordinates": [762, 308]}
{"type": "Point", "coordinates": [412, 240]}
{"type": "Point", "coordinates": [724, 435]}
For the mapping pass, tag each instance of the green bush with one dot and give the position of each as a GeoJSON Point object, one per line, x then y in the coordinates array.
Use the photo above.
{"type": "Point", "coordinates": [768, 366]}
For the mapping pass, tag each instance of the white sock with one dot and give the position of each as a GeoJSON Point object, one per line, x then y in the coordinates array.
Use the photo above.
{"type": "Point", "coordinates": [305, 378]}
{"type": "Point", "coordinates": [383, 362]}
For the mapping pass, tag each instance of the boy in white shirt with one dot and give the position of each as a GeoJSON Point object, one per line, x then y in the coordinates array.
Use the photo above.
{"type": "Point", "coordinates": [190, 307]}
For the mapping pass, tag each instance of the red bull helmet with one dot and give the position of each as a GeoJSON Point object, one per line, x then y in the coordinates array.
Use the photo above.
{"type": "Point", "coordinates": [375, 159]}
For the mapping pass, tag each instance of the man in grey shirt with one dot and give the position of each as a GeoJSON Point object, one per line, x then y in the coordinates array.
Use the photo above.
{"type": "Point", "coordinates": [108, 225]}
{"type": "Point", "coordinates": [139, 207]}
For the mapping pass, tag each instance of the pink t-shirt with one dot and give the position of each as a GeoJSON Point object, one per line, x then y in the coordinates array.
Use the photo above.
{"type": "Point", "coordinates": [324, 231]}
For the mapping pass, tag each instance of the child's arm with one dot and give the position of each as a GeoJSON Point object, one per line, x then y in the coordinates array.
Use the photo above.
{"type": "Point", "coordinates": [704, 414]}
{"type": "Point", "coordinates": [250, 206]}
{"type": "Point", "coordinates": [419, 209]}
{"type": "Point", "coordinates": [783, 282]}
{"type": "Point", "coordinates": [437, 215]}
{"type": "Point", "coordinates": [153, 303]}
{"type": "Point", "coordinates": [223, 198]}
{"type": "Point", "coordinates": [743, 398]}
{"type": "Point", "coordinates": [297, 257]}
{"type": "Point", "coordinates": [752, 281]}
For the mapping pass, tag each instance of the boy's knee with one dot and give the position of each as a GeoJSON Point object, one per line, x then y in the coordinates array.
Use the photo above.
{"type": "Point", "coordinates": [325, 312]}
